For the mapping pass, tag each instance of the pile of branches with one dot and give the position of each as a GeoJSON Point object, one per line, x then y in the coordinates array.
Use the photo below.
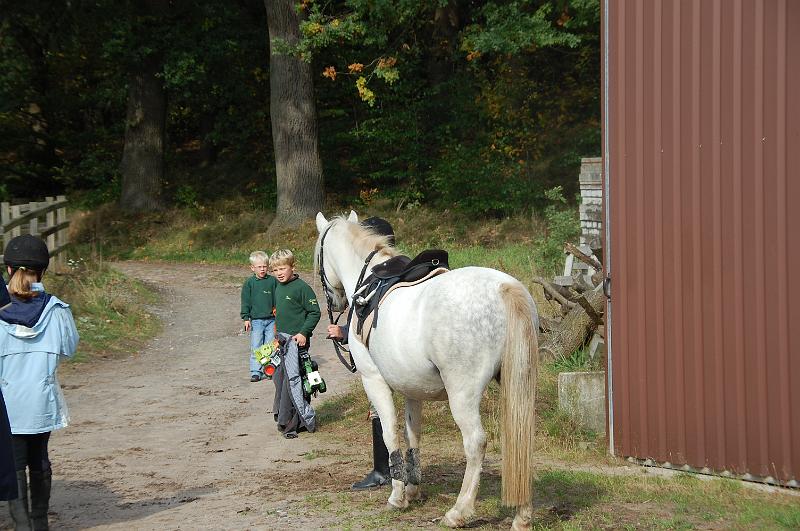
{"type": "Point", "coordinates": [583, 305]}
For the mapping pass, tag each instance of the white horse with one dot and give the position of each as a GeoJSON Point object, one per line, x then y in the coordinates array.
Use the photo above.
{"type": "Point", "coordinates": [443, 339]}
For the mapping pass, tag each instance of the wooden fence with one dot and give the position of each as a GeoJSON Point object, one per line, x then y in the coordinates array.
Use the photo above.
{"type": "Point", "coordinates": [46, 219]}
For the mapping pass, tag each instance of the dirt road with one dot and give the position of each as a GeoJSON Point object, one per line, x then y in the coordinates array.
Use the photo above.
{"type": "Point", "coordinates": [175, 436]}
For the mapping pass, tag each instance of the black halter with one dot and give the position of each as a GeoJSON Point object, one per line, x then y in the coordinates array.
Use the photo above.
{"type": "Point", "coordinates": [337, 344]}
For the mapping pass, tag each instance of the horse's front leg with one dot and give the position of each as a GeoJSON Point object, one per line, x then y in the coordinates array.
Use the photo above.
{"type": "Point", "coordinates": [413, 433]}
{"type": "Point", "coordinates": [380, 395]}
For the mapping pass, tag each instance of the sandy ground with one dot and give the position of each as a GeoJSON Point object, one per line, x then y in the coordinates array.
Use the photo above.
{"type": "Point", "coordinates": [175, 436]}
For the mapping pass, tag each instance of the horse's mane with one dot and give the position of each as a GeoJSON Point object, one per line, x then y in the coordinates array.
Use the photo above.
{"type": "Point", "coordinates": [364, 240]}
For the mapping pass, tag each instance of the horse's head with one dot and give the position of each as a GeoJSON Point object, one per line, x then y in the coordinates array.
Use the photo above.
{"type": "Point", "coordinates": [327, 269]}
{"type": "Point", "coordinates": [342, 247]}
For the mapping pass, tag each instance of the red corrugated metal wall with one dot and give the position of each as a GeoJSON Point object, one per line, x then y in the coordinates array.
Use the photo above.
{"type": "Point", "coordinates": [702, 144]}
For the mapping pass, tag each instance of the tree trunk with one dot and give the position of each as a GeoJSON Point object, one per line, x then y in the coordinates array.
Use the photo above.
{"type": "Point", "coordinates": [446, 25]}
{"type": "Point", "coordinates": [294, 122]}
{"type": "Point", "coordinates": [207, 155]}
{"type": "Point", "coordinates": [142, 165]}
{"type": "Point", "coordinates": [571, 333]}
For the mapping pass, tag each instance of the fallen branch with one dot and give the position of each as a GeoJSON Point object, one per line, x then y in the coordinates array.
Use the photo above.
{"type": "Point", "coordinates": [547, 325]}
{"type": "Point", "coordinates": [553, 292]}
{"type": "Point", "coordinates": [592, 261]}
{"type": "Point", "coordinates": [596, 317]}
{"type": "Point", "coordinates": [585, 258]}
{"type": "Point", "coordinates": [574, 328]}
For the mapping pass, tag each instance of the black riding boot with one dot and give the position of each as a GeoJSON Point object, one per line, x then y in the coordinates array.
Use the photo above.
{"type": "Point", "coordinates": [41, 481]}
{"type": "Point", "coordinates": [380, 458]}
{"type": "Point", "coordinates": [19, 507]}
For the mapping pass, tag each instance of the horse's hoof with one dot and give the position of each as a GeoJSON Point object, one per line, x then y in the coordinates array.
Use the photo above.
{"type": "Point", "coordinates": [522, 520]}
{"type": "Point", "coordinates": [397, 503]}
{"type": "Point", "coordinates": [453, 519]}
{"type": "Point", "coordinates": [414, 493]}
{"type": "Point", "coordinates": [394, 506]}
{"type": "Point", "coordinates": [520, 524]}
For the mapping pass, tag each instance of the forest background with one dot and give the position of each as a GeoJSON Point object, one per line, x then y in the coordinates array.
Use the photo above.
{"type": "Point", "coordinates": [466, 106]}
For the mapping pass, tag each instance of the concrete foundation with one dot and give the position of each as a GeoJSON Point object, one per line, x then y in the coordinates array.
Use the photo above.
{"type": "Point", "coordinates": [582, 396]}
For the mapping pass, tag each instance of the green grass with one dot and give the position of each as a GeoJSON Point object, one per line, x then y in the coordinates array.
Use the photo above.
{"type": "Point", "coordinates": [680, 502]}
{"type": "Point", "coordinates": [578, 361]}
{"type": "Point", "coordinates": [110, 309]}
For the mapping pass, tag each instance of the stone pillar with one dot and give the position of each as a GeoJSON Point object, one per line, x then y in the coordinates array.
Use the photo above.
{"type": "Point", "coordinates": [591, 209]}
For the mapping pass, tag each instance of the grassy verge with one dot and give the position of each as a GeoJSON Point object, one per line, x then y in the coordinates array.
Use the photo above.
{"type": "Point", "coordinates": [227, 231]}
{"type": "Point", "coordinates": [110, 309]}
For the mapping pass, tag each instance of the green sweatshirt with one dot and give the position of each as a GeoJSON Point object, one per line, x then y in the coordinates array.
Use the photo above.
{"type": "Point", "coordinates": [258, 297]}
{"type": "Point", "coordinates": [296, 308]}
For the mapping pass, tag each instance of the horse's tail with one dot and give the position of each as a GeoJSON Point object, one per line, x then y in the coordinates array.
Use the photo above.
{"type": "Point", "coordinates": [518, 395]}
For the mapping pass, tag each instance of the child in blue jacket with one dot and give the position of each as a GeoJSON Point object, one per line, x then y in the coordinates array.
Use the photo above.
{"type": "Point", "coordinates": [36, 331]}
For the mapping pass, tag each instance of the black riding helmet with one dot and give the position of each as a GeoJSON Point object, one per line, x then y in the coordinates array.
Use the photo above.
{"type": "Point", "coordinates": [380, 226]}
{"type": "Point", "coordinates": [27, 251]}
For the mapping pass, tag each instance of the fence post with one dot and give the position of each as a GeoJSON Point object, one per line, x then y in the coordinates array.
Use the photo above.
{"type": "Point", "coordinates": [5, 217]}
{"type": "Point", "coordinates": [61, 236]}
{"type": "Point", "coordinates": [50, 220]}
{"type": "Point", "coordinates": [33, 224]}
{"type": "Point", "coordinates": [16, 211]}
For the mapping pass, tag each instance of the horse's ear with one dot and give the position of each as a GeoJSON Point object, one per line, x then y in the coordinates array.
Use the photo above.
{"type": "Point", "coordinates": [321, 222]}
{"type": "Point", "coordinates": [353, 217]}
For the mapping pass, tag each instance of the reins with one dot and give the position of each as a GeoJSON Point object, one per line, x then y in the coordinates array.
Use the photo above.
{"type": "Point", "coordinates": [337, 344]}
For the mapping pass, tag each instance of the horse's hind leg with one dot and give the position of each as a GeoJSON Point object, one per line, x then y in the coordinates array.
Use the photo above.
{"type": "Point", "coordinates": [413, 467]}
{"type": "Point", "coordinates": [522, 520]}
{"type": "Point", "coordinates": [381, 397]}
{"type": "Point", "coordinates": [466, 412]}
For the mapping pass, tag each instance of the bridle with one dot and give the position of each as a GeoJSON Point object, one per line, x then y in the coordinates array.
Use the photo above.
{"type": "Point", "coordinates": [328, 291]}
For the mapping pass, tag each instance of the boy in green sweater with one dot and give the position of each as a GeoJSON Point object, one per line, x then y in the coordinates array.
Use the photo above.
{"type": "Point", "coordinates": [258, 304]}
{"type": "Point", "coordinates": [296, 308]}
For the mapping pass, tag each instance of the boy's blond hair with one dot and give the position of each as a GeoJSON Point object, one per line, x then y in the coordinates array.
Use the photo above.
{"type": "Point", "coordinates": [281, 257]}
{"type": "Point", "coordinates": [259, 257]}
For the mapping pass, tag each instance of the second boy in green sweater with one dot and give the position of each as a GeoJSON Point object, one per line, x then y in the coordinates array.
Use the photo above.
{"type": "Point", "coordinates": [296, 308]}
{"type": "Point", "coordinates": [258, 304]}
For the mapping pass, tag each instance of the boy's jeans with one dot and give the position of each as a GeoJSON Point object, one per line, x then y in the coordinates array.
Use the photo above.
{"type": "Point", "coordinates": [262, 331]}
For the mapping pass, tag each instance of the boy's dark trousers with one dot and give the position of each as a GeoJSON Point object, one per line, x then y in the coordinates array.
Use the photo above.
{"type": "Point", "coordinates": [288, 419]}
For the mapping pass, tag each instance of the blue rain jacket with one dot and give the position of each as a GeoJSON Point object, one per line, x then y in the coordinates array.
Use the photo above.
{"type": "Point", "coordinates": [29, 357]}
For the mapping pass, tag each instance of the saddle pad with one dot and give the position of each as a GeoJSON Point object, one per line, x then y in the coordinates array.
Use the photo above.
{"type": "Point", "coordinates": [367, 326]}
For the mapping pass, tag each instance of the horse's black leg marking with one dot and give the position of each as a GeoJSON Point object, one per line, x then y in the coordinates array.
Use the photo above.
{"type": "Point", "coordinates": [397, 466]}
{"type": "Point", "coordinates": [413, 470]}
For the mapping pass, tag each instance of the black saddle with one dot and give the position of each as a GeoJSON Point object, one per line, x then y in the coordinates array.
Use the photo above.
{"type": "Point", "coordinates": [407, 270]}
{"type": "Point", "coordinates": [387, 274]}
